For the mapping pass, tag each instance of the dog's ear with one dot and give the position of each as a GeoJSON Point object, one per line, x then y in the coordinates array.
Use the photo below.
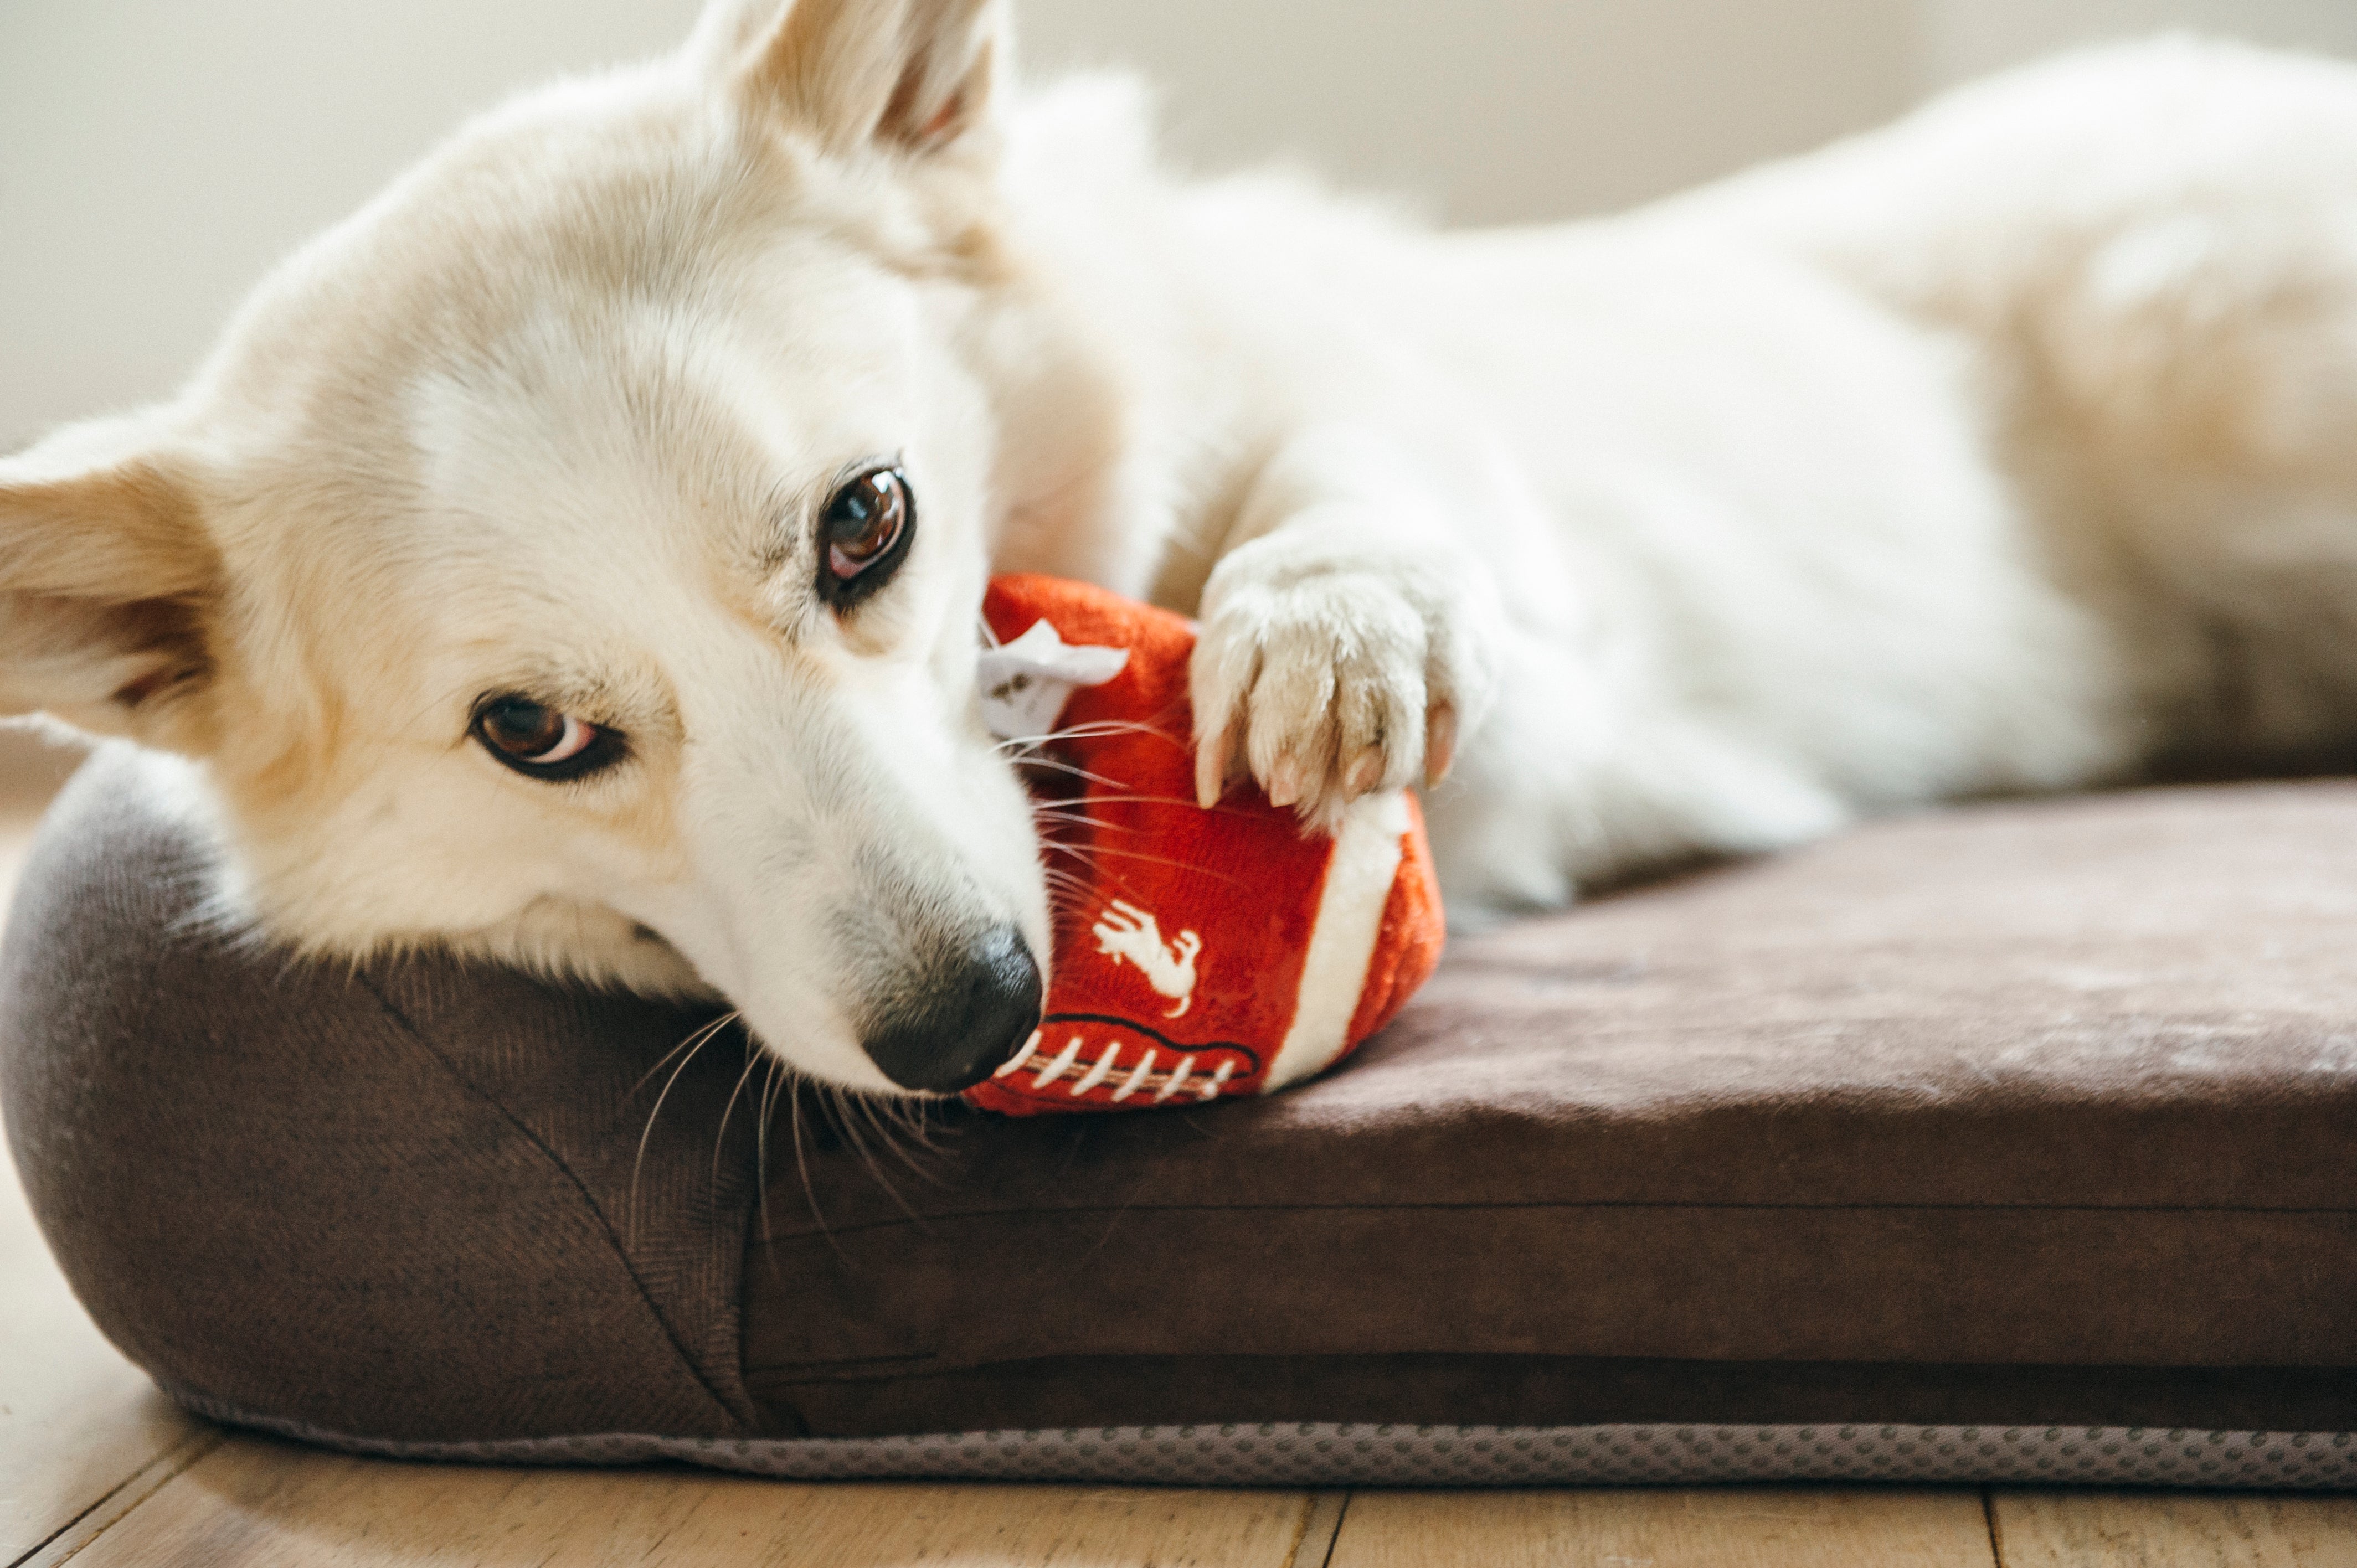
{"type": "Point", "coordinates": [912, 76]}
{"type": "Point", "coordinates": [108, 584]}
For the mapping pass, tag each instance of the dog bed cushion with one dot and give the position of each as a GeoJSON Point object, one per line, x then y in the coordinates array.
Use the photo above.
{"type": "Point", "coordinates": [2014, 1142]}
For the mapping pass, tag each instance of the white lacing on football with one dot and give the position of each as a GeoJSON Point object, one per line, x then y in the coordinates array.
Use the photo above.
{"type": "Point", "coordinates": [1181, 1078]}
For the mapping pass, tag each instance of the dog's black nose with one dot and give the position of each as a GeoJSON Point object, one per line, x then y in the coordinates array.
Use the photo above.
{"type": "Point", "coordinates": [976, 1012]}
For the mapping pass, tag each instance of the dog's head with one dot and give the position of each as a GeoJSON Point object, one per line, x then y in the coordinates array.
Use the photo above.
{"type": "Point", "coordinates": [577, 555]}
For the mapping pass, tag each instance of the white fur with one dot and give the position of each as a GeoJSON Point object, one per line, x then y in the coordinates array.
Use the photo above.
{"type": "Point", "coordinates": [2009, 448]}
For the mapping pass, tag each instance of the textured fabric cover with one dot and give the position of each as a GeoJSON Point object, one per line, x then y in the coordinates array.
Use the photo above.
{"type": "Point", "coordinates": [2027, 1115]}
{"type": "Point", "coordinates": [396, 1202]}
{"type": "Point", "coordinates": [1387, 1454]}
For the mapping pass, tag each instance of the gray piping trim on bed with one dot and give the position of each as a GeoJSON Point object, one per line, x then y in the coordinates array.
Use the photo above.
{"type": "Point", "coordinates": [1315, 1454]}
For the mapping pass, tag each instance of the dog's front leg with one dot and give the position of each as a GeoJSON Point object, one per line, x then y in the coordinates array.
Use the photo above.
{"type": "Point", "coordinates": [1350, 627]}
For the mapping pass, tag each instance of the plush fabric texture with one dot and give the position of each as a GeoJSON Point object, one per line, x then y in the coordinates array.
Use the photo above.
{"type": "Point", "coordinates": [2029, 1113]}
{"type": "Point", "coordinates": [404, 1201]}
{"type": "Point", "coordinates": [1198, 953]}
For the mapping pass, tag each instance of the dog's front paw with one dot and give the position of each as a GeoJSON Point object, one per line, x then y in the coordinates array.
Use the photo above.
{"type": "Point", "coordinates": [1331, 674]}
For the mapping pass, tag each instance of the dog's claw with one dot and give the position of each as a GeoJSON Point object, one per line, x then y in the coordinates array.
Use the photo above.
{"type": "Point", "coordinates": [1211, 769]}
{"type": "Point", "coordinates": [1439, 743]}
{"type": "Point", "coordinates": [1333, 677]}
{"type": "Point", "coordinates": [1218, 762]}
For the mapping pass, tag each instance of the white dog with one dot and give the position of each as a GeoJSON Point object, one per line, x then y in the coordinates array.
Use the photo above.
{"type": "Point", "coordinates": [574, 558]}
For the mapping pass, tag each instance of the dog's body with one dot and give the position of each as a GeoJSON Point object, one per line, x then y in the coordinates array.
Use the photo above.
{"type": "Point", "coordinates": [2010, 448]}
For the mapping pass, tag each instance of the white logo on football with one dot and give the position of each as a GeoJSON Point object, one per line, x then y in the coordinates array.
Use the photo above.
{"type": "Point", "coordinates": [1126, 931]}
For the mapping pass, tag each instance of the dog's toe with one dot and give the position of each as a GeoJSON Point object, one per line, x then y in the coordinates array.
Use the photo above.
{"type": "Point", "coordinates": [1318, 685]}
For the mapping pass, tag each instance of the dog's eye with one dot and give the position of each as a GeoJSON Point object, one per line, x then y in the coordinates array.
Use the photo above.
{"type": "Point", "coordinates": [538, 740]}
{"type": "Point", "coordinates": [866, 531]}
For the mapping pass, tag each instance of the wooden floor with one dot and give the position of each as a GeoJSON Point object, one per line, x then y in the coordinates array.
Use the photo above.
{"type": "Point", "coordinates": [96, 1469]}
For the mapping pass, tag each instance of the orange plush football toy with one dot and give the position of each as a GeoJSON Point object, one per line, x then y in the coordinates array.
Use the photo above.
{"type": "Point", "coordinates": [1198, 954]}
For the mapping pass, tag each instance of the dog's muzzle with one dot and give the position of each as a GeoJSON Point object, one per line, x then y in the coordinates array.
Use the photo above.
{"type": "Point", "coordinates": [973, 1013]}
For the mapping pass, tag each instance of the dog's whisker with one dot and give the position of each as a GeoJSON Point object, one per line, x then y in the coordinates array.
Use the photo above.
{"type": "Point", "coordinates": [847, 1124]}
{"type": "Point", "coordinates": [753, 1055]}
{"type": "Point", "coordinates": [1078, 732]}
{"type": "Point", "coordinates": [794, 1093]}
{"type": "Point", "coordinates": [1082, 853]}
{"type": "Point", "coordinates": [777, 1069]}
{"type": "Point", "coordinates": [694, 1039]}
{"type": "Point", "coordinates": [884, 1119]}
{"type": "Point", "coordinates": [839, 1103]}
{"type": "Point", "coordinates": [1073, 768]}
{"type": "Point", "coordinates": [638, 1164]}
{"type": "Point", "coordinates": [917, 1116]}
{"type": "Point", "coordinates": [906, 1120]}
{"type": "Point", "coordinates": [1073, 819]}
{"type": "Point", "coordinates": [1105, 728]}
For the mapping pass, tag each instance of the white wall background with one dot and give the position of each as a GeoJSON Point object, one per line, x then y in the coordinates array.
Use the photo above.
{"type": "Point", "coordinates": [157, 155]}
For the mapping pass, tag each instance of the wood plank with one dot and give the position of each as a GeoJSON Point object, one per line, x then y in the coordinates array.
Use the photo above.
{"type": "Point", "coordinates": [1320, 1525]}
{"type": "Point", "coordinates": [251, 1503]}
{"type": "Point", "coordinates": [77, 1420]}
{"type": "Point", "coordinates": [1666, 1527]}
{"type": "Point", "coordinates": [123, 1499]}
{"type": "Point", "coordinates": [2174, 1530]}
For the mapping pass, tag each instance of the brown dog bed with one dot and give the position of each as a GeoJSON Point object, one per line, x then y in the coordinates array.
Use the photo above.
{"type": "Point", "coordinates": [2018, 1142]}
